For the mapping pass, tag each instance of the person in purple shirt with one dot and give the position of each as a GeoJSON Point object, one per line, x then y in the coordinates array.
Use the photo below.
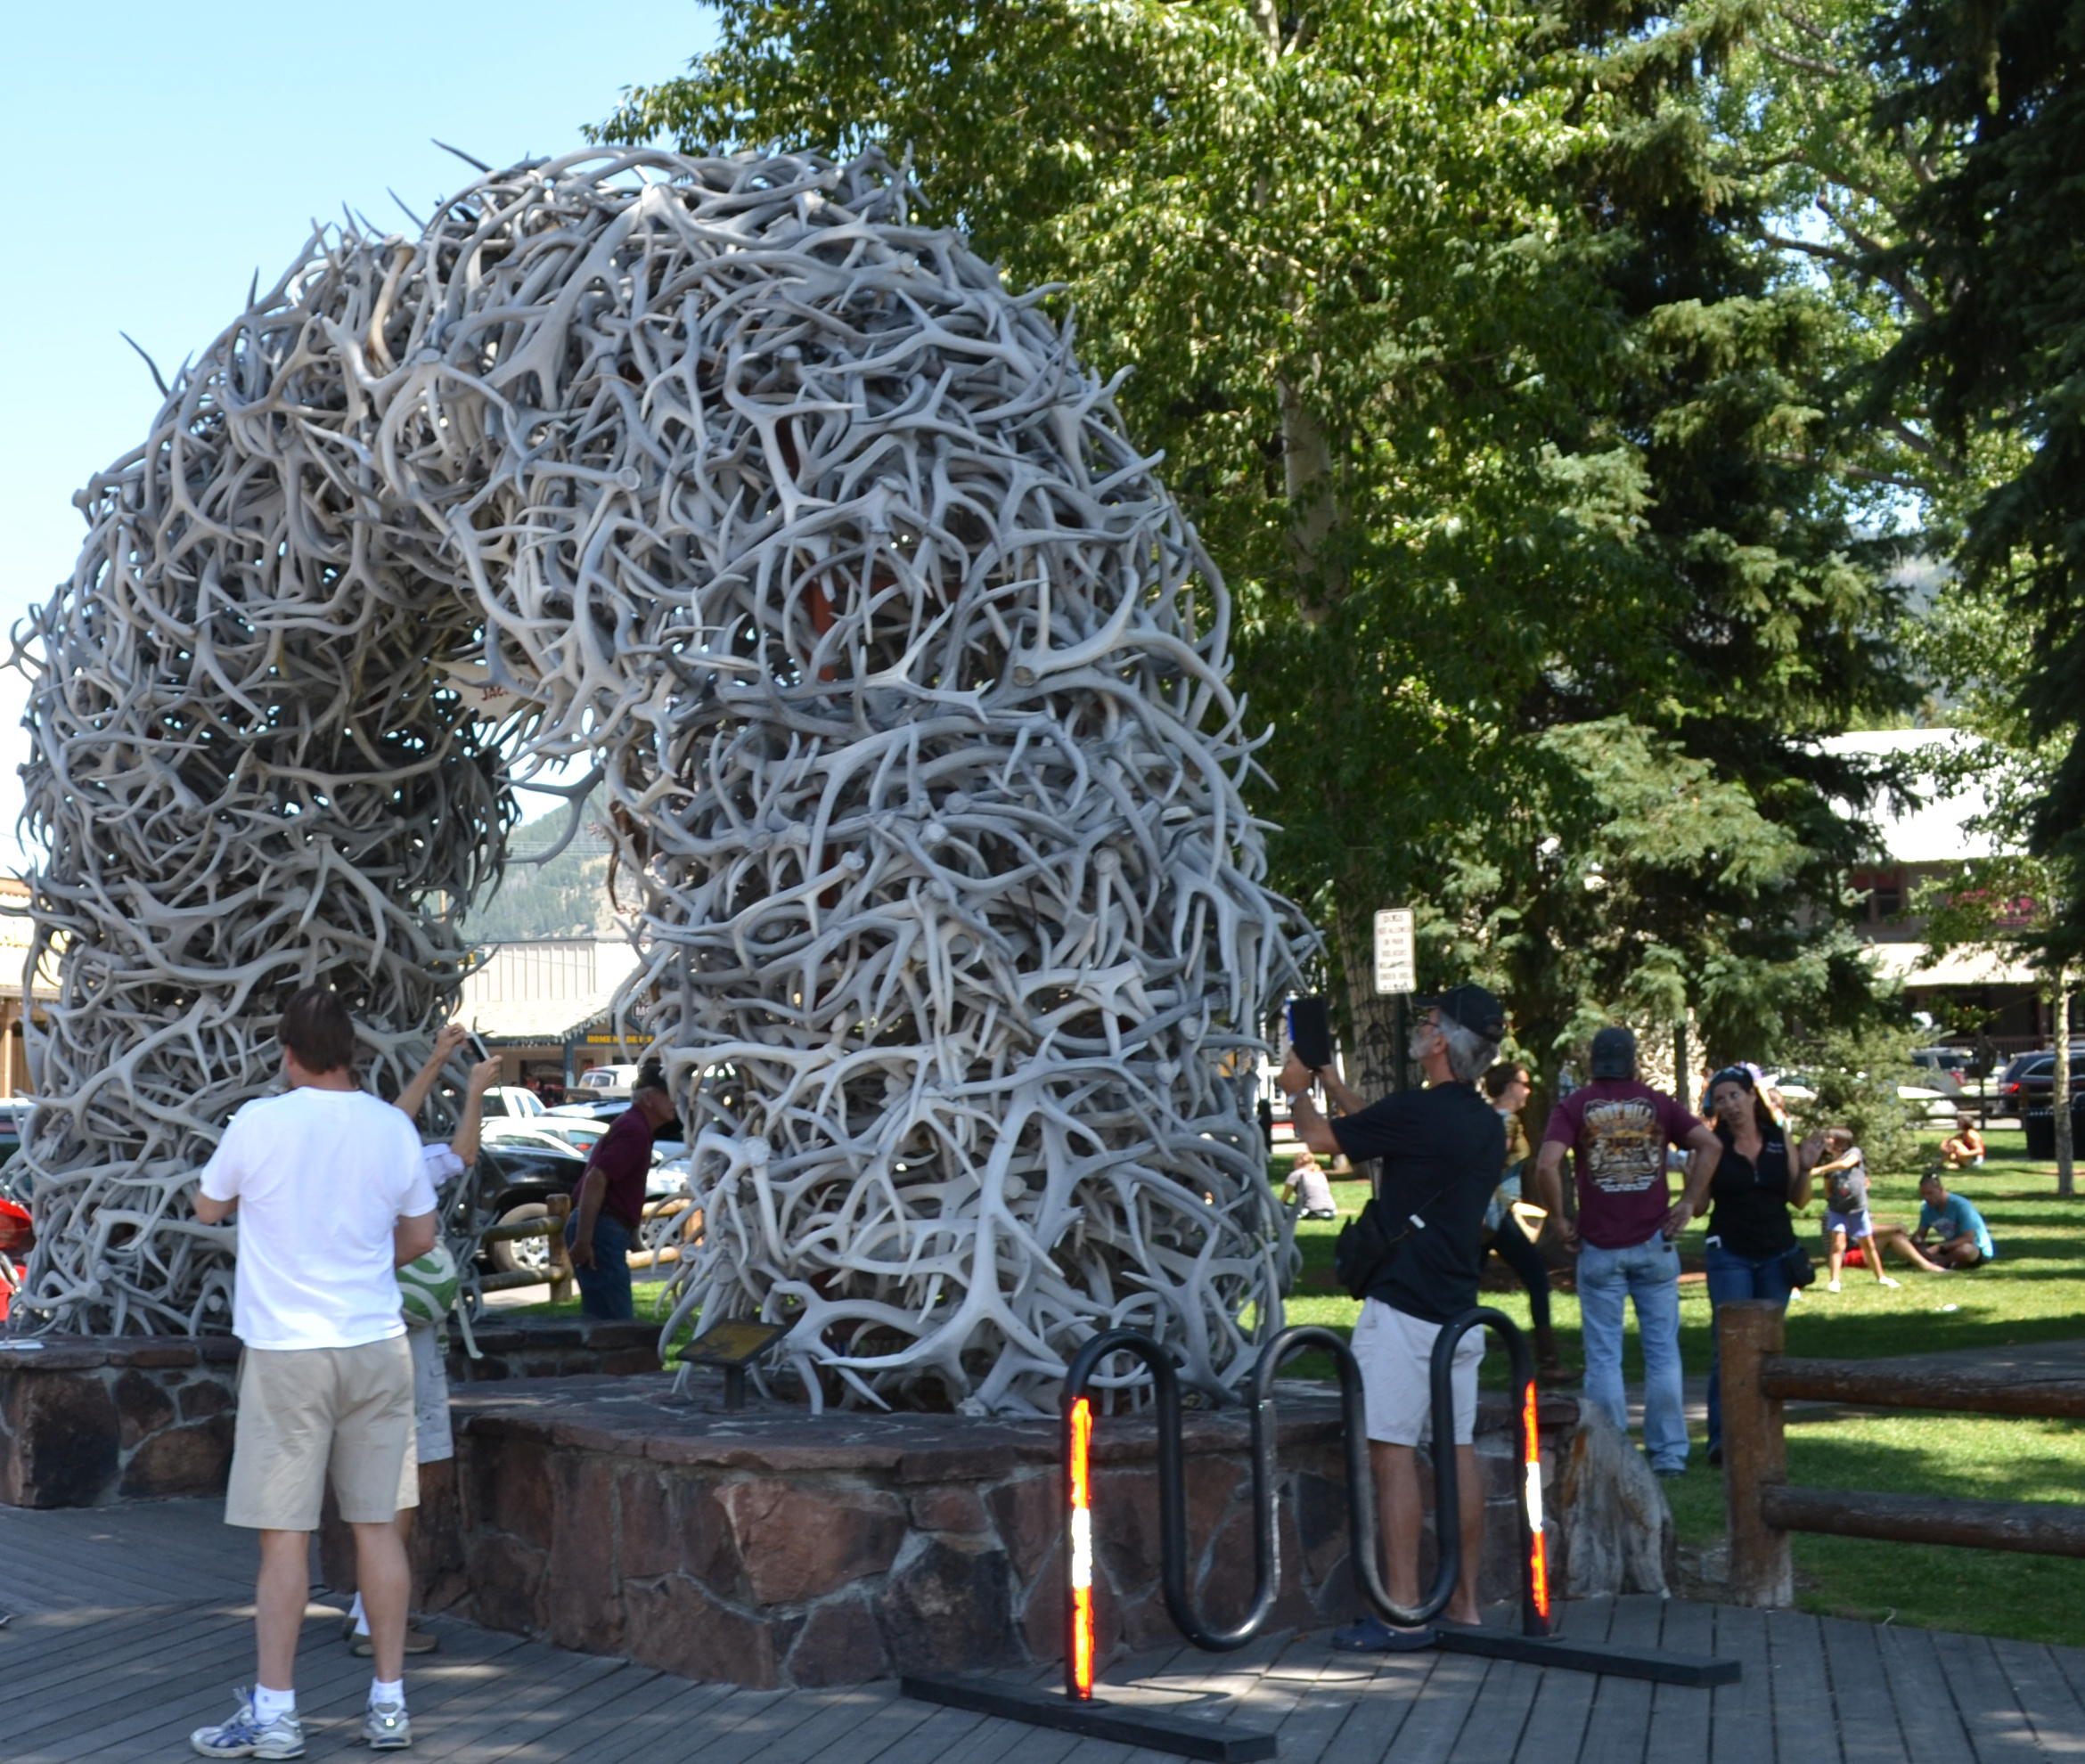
{"type": "Point", "coordinates": [609, 1202]}
{"type": "Point", "coordinates": [1617, 1131]}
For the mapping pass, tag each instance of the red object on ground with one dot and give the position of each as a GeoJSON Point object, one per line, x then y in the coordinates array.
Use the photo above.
{"type": "Point", "coordinates": [1854, 1258]}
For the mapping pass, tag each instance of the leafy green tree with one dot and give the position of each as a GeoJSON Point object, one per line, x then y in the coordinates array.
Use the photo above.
{"type": "Point", "coordinates": [1999, 231]}
{"type": "Point", "coordinates": [1497, 424]}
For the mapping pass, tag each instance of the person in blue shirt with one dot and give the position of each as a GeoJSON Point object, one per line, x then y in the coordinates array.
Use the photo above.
{"type": "Point", "coordinates": [1964, 1239]}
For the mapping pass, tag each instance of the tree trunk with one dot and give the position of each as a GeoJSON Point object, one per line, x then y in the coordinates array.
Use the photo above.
{"type": "Point", "coordinates": [2059, 1092]}
{"type": "Point", "coordinates": [1306, 470]}
{"type": "Point", "coordinates": [1373, 1064]}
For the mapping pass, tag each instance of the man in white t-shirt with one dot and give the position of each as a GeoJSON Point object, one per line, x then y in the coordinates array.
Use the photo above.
{"type": "Point", "coordinates": [331, 1200]}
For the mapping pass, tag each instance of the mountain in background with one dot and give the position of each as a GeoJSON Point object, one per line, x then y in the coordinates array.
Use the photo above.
{"type": "Point", "coordinates": [566, 897]}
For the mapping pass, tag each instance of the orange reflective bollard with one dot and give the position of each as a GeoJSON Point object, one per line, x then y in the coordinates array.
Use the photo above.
{"type": "Point", "coordinates": [1079, 1657]}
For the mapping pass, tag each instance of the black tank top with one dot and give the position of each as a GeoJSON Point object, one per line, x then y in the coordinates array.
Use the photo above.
{"type": "Point", "coordinates": [1749, 1201]}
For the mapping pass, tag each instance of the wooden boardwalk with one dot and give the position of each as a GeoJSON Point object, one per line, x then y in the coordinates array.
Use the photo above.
{"type": "Point", "coordinates": [131, 1625]}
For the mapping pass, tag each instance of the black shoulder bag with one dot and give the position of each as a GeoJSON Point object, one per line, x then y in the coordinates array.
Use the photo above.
{"type": "Point", "coordinates": [1367, 1246]}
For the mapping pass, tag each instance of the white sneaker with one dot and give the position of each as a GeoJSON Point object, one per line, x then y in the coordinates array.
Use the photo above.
{"type": "Point", "coordinates": [1831, 1285]}
{"type": "Point", "coordinates": [247, 1735]}
{"type": "Point", "coordinates": [386, 1728]}
{"type": "Point", "coordinates": [1886, 1281]}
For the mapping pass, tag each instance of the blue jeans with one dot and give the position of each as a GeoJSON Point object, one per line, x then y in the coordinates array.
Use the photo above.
{"type": "Point", "coordinates": [1607, 1279]}
{"type": "Point", "coordinates": [604, 1288]}
{"type": "Point", "coordinates": [1731, 1276]}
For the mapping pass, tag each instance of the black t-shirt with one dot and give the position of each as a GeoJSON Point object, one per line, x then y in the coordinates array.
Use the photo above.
{"type": "Point", "coordinates": [1749, 1201]}
{"type": "Point", "coordinates": [1441, 1151]}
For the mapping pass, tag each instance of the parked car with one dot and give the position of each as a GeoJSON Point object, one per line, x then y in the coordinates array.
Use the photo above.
{"type": "Point", "coordinates": [516, 1182]}
{"type": "Point", "coordinates": [2029, 1081]}
{"type": "Point", "coordinates": [599, 1081]}
{"type": "Point", "coordinates": [1795, 1089]}
{"type": "Point", "coordinates": [13, 1118]}
{"type": "Point", "coordinates": [519, 1171]}
{"type": "Point", "coordinates": [581, 1132]}
{"type": "Point", "coordinates": [1943, 1069]}
{"type": "Point", "coordinates": [17, 1236]}
{"type": "Point", "coordinates": [510, 1102]}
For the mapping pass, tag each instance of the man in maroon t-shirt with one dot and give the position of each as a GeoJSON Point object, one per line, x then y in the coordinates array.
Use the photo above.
{"type": "Point", "coordinates": [610, 1200]}
{"type": "Point", "coordinates": [1617, 1131]}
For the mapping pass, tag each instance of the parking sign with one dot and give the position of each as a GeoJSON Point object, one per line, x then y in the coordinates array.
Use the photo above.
{"type": "Point", "coordinates": [1396, 959]}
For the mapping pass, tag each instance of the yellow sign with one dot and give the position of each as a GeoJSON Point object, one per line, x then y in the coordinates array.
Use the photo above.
{"type": "Point", "coordinates": [733, 1344]}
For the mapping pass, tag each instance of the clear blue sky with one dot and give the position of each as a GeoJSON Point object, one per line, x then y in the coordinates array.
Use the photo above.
{"type": "Point", "coordinates": [163, 152]}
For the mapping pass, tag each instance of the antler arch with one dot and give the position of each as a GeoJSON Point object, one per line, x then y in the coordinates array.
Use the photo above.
{"type": "Point", "coordinates": [904, 680]}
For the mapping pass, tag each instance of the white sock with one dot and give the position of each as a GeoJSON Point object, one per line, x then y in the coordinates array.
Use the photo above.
{"type": "Point", "coordinates": [268, 1705]}
{"type": "Point", "coordinates": [394, 1692]}
{"type": "Point", "coordinates": [360, 1616]}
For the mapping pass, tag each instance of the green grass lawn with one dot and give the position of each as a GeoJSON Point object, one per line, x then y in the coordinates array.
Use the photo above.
{"type": "Point", "coordinates": [2034, 1292]}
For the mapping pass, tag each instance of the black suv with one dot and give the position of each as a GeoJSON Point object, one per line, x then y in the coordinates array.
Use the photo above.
{"type": "Point", "coordinates": [2029, 1081]}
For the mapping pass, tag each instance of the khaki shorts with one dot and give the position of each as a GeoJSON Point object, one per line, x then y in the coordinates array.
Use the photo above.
{"type": "Point", "coordinates": [1395, 1352]}
{"type": "Point", "coordinates": [305, 1411]}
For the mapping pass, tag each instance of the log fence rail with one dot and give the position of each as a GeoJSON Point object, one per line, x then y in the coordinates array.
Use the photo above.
{"type": "Point", "coordinates": [1758, 1379]}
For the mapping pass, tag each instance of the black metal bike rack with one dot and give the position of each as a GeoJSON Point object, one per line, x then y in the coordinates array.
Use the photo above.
{"type": "Point", "coordinates": [1076, 1708]}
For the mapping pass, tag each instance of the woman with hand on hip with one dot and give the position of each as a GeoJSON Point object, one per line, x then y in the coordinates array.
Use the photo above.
{"type": "Point", "coordinates": [1751, 1249]}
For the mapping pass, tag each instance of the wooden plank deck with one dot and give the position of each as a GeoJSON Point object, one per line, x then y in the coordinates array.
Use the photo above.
{"type": "Point", "coordinates": [131, 1625]}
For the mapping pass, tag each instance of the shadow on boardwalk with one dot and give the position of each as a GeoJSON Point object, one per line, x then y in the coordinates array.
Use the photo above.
{"type": "Point", "coordinates": [132, 1625]}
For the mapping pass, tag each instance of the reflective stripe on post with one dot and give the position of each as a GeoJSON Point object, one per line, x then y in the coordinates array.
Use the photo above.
{"type": "Point", "coordinates": [1078, 1460]}
{"type": "Point", "coordinates": [1538, 1562]}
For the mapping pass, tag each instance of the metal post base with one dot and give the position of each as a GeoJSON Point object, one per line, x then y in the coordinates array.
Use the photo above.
{"type": "Point", "coordinates": [1163, 1730]}
{"type": "Point", "coordinates": [1699, 1669]}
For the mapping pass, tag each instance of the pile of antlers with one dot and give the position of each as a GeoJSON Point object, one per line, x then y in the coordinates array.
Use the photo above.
{"type": "Point", "coordinates": [902, 676]}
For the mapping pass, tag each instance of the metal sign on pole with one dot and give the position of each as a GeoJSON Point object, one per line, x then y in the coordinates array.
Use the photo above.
{"type": "Point", "coordinates": [1396, 952]}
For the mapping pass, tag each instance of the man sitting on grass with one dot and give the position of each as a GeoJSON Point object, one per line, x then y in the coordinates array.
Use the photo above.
{"type": "Point", "coordinates": [1964, 1239]}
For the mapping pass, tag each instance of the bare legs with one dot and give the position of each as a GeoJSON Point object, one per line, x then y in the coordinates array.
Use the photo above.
{"type": "Point", "coordinates": [1403, 1516]}
{"type": "Point", "coordinates": [386, 1583]}
{"type": "Point", "coordinates": [1897, 1238]}
{"type": "Point", "coordinates": [284, 1583]}
{"type": "Point", "coordinates": [279, 1593]}
{"type": "Point", "coordinates": [1835, 1251]}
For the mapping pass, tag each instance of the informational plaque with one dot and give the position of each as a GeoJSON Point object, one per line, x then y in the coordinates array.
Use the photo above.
{"type": "Point", "coordinates": [1396, 955]}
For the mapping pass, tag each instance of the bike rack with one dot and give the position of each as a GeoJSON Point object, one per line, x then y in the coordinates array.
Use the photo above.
{"type": "Point", "coordinates": [1077, 1710]}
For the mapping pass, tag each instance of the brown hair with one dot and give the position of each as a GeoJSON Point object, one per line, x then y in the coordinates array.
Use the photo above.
{"type": "Point", "coordinates": [1500, 1076]}
{"type": "Point", "coordinates": [1839, 1139]}
{"type": "Point", "coordinates": [1762, 1116]}
{"type": "Point", "coordinates": [316, 1028]}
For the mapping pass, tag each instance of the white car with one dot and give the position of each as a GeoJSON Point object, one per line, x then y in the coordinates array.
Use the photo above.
{"type": "Point", "coordinates": [1928, 1103]}
{"type": "Point", "coordinates": [512, 1102]}
{"type": "Point", "coordinates": [597, 1083]}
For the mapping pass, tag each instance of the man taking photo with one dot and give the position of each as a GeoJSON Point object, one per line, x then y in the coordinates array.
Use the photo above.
{"type": "Point", "coordinates": [1441, 1150]}
{"type": "Point", "coordinates": [1617, 1131]}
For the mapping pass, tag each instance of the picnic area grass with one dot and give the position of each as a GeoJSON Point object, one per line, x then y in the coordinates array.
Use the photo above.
{"type": "Point", "coordinates": [2034, 1292]}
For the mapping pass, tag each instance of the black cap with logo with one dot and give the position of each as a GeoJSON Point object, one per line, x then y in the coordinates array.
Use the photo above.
{"type": "Point", "coordinates": [1476, 1007]}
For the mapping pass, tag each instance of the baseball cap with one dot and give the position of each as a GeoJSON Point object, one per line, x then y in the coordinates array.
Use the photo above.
{"type": "Point", "coordinates": [1476, 1007]}
{"type": "Point", "coordinates": [1614, 1054]}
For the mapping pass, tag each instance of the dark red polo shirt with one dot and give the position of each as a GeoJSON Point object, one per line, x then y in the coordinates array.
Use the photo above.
{"type": "Point", "coordinates": [623, 1155]}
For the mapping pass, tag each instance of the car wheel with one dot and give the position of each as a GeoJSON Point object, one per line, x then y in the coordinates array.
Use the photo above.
{"type": "Point", "coordinates": [677, 1224]}
{"type": "Point", "coordinates": [523, 1255]}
